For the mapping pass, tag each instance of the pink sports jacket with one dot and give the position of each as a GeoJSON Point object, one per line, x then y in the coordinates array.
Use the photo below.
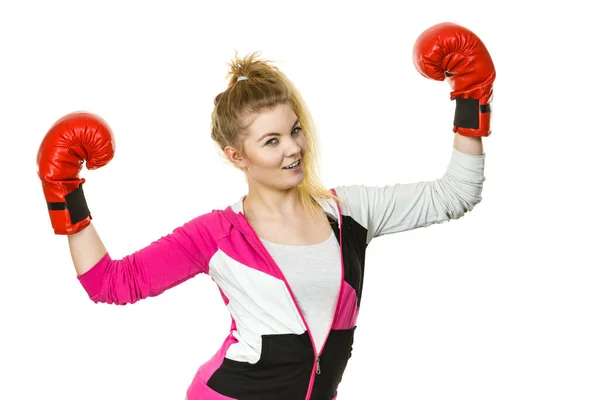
{"type": "Point", "coordinates": [269, 352]}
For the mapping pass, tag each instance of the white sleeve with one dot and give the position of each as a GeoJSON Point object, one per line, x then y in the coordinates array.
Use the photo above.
{"type": "Point", "coordinates": [401, 207]}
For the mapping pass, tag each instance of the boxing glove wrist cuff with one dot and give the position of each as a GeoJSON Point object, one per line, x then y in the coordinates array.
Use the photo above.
{"type": "Point", "coordinates": [75, 204]}
{"type": "Point", "coordinates": [466, 114]}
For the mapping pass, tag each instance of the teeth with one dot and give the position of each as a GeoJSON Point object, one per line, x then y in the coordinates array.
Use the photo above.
{"type": "Point", "coordinates": [293, 165]}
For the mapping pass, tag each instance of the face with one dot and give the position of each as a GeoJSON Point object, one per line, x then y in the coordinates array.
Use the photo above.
{"type": "Point", "coordinates": [274, 141]}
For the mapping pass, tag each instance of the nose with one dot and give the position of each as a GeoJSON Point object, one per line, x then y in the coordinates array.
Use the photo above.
{"type": "Point", "coordinates": [292, 147]}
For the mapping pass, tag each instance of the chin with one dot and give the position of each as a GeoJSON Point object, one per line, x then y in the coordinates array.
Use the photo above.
{"type": "Point", "coordinates": [291, 183]}
{"type": "Point", "coordinates": [295, 184]}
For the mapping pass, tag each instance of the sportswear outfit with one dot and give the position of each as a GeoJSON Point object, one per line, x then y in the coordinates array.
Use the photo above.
{"type": "Point", "coordinates": [293, 308]}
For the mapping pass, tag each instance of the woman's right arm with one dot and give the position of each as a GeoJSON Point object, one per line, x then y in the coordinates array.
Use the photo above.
{"type": "Point", "coordinates": [83, 138]}
{"type": "Point", "coordinates": [148, 272]}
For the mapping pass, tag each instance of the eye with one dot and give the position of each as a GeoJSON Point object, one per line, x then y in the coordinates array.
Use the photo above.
{"type": "Point", "coordinates": [296, 130]}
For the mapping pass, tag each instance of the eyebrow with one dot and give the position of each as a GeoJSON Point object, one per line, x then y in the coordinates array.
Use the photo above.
{"type": "Point", "coordinates": [275, 133]}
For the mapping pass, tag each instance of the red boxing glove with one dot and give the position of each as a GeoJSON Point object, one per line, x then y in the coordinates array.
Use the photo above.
{"type": "Point", "coordinates": [448, 51]}
{"type": "Point", "coordinates": [73, 139]}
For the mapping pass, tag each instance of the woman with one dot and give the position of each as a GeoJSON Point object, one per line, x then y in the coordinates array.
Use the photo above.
{"type": "Point", "coordinates": [288, 257]}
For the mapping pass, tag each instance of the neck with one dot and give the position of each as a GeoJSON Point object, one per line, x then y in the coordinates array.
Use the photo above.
{"type": "Point", "coordinates": [272, 204]}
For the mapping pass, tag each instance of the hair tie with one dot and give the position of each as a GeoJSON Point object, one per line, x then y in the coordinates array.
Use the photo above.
{"type": "Point", "coordinates": [242, 78]}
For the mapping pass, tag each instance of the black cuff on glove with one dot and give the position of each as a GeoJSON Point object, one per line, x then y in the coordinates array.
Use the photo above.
{"type": "Point", "coordinates": [467, 112]}
{"type": "Point", "coordinates": [75, 203]}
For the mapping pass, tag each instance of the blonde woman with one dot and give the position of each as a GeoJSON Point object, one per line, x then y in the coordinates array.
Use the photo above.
{"type": "Point", "coordinates": [289, 256]}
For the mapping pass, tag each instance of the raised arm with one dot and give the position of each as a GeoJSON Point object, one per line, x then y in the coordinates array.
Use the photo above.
{"type": "Point", "coordinates": [405, 206]}
{"type": "Point", "coordinates": [148, 272]}
{"type": "Point", "coordinates": [450, 52]}
{"type": "Point", "coordinates": [82, 137]}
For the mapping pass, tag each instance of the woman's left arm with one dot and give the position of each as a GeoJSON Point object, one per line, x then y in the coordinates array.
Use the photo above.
{"type": "Point", "coordinates": [443, 52]}
{"type": "Point", "coordinates": [405, 206]}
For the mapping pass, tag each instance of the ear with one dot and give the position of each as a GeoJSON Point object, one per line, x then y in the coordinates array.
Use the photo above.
{"type": "Point", "coordinates": [235, 157]}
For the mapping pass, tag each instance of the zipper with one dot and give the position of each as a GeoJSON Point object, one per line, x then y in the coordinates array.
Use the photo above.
{"type": "Point", "coordinates": [317, 366]}
{"type": "Point", "coordinates": [317, 362]}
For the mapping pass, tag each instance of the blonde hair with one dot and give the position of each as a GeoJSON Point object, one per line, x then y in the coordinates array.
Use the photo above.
{"type": "Point", "coordinates": [266, 87]}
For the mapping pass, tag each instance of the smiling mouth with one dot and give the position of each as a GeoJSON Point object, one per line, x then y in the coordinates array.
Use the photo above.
{"type": "Point", "coordinates": [293, 165]}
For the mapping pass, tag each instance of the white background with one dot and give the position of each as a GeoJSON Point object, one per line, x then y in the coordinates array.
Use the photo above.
{"type": "Point", "coordinates": [503, 303]}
